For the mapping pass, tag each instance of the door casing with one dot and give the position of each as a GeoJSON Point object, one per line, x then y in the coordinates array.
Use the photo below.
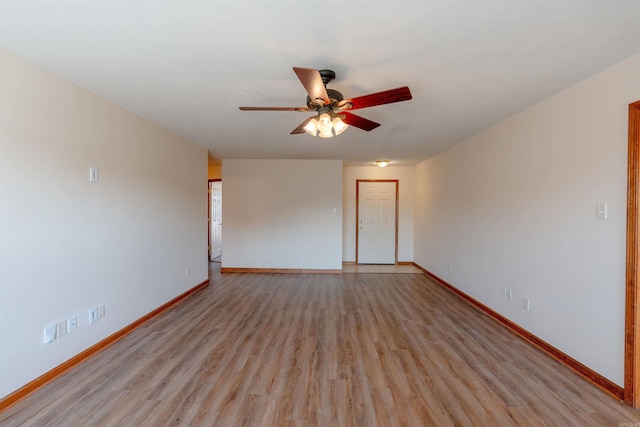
{"type": "Point", "coordinates": [632, 304]}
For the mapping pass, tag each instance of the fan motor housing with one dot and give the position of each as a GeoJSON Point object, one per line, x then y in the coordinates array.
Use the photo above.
{"type": "Point", "coordinates": [334, 97]}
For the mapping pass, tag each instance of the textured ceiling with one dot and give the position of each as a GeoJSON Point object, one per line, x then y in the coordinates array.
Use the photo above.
{"type": "Point", "coordinates": [188, 65]}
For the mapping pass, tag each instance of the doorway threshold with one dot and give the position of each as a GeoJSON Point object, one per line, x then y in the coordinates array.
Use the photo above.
{"type": "Point", "coordinates": [380, 268]}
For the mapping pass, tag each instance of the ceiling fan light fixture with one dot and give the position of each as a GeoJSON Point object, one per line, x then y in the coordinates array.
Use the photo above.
{"type": "Point", "coordinates": [325, 125]}
{"type": "Point", "coordinates": [382, 163]}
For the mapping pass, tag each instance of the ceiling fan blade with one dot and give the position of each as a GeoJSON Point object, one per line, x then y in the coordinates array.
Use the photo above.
{"type": "Point", "coordinates": [300, 129]}
{"type": "Point", "coordinates": [302, 109]}
{"type": "Point", "coordinates": [380, 98]}
{"type": "Point", "coordinates": [312, 82]}
{"type": "Point", "coordinates": [359, 122]}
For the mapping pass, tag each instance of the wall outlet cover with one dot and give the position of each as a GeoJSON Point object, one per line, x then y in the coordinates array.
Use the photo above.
{"type": "Point", "coordinates": [61, 329]}
{"type": "Point", "coordinates": [72, 324]}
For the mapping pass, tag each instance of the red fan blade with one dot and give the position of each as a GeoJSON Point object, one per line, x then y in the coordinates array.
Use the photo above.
{"type": "Point", "coordinates": [312, 82]}
{"type": "Point", "coordinates": [300, 129]}
{"type": "Point", "coordinates": [359, 122]}
{"type": "Point", "coordinates": [380, 98]}
{"type": "Point", "coordinates": [274, 109]}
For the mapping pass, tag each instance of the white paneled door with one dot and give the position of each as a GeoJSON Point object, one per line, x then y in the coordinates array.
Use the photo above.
{"type": "Point", "coordinates": [215, 220]}
{"type": "Point", "coordinates": [377, 222]}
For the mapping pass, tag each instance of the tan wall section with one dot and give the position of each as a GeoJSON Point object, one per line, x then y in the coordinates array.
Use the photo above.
{"type": "Point", "coordinates": [515, 207]}
{"type": "Point", "coordinates": [66, 244]}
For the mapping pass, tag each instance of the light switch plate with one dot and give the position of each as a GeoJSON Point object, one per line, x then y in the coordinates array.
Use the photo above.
{"type": "Point", "coordinates": [93, 315]}
{"type": "Point", "coordinates": [94, 175]}
{"type": "Point", "coordinates": [49, 334]}
{"type": "Point", "coordinates": [601, 211]}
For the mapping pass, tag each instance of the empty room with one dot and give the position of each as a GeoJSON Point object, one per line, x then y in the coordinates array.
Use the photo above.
{"type": "Point", "coordinates": [339, 213]}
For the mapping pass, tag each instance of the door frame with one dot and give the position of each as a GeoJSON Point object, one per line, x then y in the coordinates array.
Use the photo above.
{"type": "Point", "coordinates": [632, 297]}
{"type": "Point", "coordinates": [358, 181]}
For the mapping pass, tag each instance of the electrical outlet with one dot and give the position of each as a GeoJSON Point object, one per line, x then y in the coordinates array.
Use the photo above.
{"type": "Point", "coordinates": [450, 268]}
{"type": "Point", "coordinates": [506, 294]}
{"type": "Point", "coordinates": [49, 334]}
{"type": "Point", "coordinates": [72, 324]}
{"type": "Point", "coordinates": [187, 272]}
{"type": "Point", "coordinates": [526, 304]}
{"type": "Point", "coordinates": [93, 315]}
{"type": "Point", "coordinates": [101, 311]}
{"type": "Point", "coordinates": [61, 329]}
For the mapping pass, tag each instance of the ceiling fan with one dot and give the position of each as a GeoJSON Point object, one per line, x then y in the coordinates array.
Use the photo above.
{"type": "Point", "coordinates": [332, 118]}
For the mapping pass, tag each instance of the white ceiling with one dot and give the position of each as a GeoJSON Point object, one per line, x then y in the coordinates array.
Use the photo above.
{"type": "Point", "coordinates": [188, 65]}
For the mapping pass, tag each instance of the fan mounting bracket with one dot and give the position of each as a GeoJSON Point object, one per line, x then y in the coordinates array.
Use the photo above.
{"type": "Point", "coordinates": [327, 76]}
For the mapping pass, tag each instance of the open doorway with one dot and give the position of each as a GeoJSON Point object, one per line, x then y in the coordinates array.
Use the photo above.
{"type": "Point", "coordinates": [215, 220]}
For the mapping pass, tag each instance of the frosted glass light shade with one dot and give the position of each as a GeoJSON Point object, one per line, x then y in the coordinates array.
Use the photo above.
{"type": "Point", "coordinates": [324, 123]}
{"type": "Point", "coordinates": [339, 126]}
{"type": "Point", "coordinates": [311, 127]}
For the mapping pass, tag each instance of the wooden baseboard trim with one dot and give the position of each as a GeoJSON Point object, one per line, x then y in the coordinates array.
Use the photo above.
{"type": "Point", "coordinates": [278, 270]}
{"type": "Point", "coordinates": [49, 376]}
{"type": "Point", "coordinates": [587, 373]}
{"type": "Point", "coordinates": [405, 262]}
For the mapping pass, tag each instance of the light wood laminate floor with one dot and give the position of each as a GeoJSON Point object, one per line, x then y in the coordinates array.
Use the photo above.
{"type": "Point", "coordinates": [320, 350]}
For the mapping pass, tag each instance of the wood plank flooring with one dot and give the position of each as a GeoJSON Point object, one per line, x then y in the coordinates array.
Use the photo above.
{"type": "Point", "coordinates": [320, 350]}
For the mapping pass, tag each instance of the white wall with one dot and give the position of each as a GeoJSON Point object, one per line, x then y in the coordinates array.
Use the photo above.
{"type": "Point", "coordinates": [67, 244]}
{"type": "Point", "coordinates": [282, 214]}
{"type": "Point", "coordinates": [515, 207]}
{"type": "Point", "coordinates": [405, 176]}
